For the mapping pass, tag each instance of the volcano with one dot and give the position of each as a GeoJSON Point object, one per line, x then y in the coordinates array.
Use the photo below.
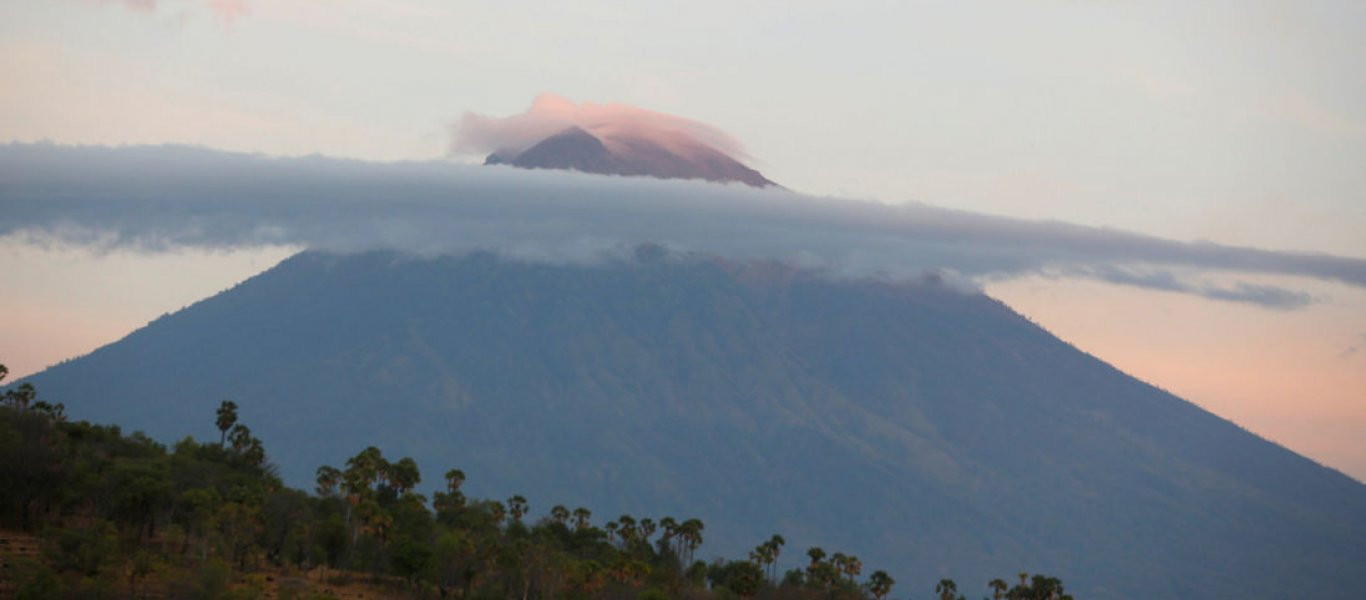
{"type": "Point", "coordinates": [576, 149]}
{"type": "Point", "coordinates": [931, 432]}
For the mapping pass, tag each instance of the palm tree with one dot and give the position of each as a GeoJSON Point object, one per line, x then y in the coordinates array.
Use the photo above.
{"type": "Point", "coordinates": [559, 514]}
{"type": "Point", "coordinates": [647, 529]}
{"type": "Point", "coordinates": [670, 529]}
{"type": "Point", "coordinates": [760, 556]}
{"type": "Point", "coordinates": [497, 511]}
{"type": "Point", "coordinates": [227, 417]}
{"type": "Point", "coordinates": [880, 584]}
{"type": "Point", "coordinates": [998, 588]}
{"type": "Point", "coordinates": [816, 554]}
{"type": "Point", "coordinates": [839, 560]}
{"type": "Point", "coordinates": [454, 478]}
{"type": "Point", "coordinates": [690, 535]}
{"type": "Point", "coordinates": [852, 567]}
{"type": "Point", "coordinates": [403, 475]}
{"type": "Point", "coordinates": [776, 544]}
{"type": "Point", "coordinates": [627, 528]}
{"type": "Point", "coordinates": [241, 437]}
{"type": "Point", "coordinates": [517, 505]}
{"type": "Point", "coordinates": [328, 478]}
{"type": "Point", "coordinates": [946, 589]}
{"type": "Point", "coordinates": [581, 517]}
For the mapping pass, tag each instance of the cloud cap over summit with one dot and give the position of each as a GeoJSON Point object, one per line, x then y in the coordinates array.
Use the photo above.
{"type": "Point", "coordinates": [608, 139]}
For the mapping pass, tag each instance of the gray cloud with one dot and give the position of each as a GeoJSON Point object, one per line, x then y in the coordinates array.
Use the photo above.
{"type": "Point", "coordinates": [1161, 279]}
{"type": "Point", "coordinates": [154, 198]}
{"type": "Point", "coordinates": [1352, 350]}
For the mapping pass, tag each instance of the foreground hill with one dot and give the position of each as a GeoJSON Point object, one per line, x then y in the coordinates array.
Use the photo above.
{"type": "Point", "coordinates": [931, 432]}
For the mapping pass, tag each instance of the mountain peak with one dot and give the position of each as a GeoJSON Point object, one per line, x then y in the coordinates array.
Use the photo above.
{"type": "Point", "coordinates": [575, 149]}
{"type": "Point", "coordinates": [609, 139]}
{"type": "Point", "coordinates": [572, 149]}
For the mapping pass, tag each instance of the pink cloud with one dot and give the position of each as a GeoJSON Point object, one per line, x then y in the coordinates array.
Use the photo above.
{"type": "Point", "coordinates": [615, 124]}
{"type": "Point", "coordinates": [230, 10]}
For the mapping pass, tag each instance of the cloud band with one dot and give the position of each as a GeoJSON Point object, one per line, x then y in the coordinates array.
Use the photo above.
{"type": "Point", "coordinates": [159, 197]}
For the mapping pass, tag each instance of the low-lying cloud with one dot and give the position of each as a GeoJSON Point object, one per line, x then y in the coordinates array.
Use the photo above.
{"type": "Point", "coordinates": [157, 198]}
{"type": "Point", "coordinates": [614, 124]}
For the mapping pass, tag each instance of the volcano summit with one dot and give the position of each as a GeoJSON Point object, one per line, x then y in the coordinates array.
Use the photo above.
{"type": "Point", "coordinates": [577, 150]}
{"type": "Point", "coordinates": [609, 139]}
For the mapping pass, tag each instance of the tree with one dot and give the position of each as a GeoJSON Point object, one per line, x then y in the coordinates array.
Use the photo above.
{"type": "Point", "coordinates": [20, 397]}
{"type": "Point", "coordinates": [403, 476]}
{"type": "Point", "coordinates": [998, 588]}
{"type": "Point", "coordinates": [328, 478]}
{"type": "Point", "coordinates": [412, 558]}
{"type": "Point", "coordinates": [848, 566]}
{"type": "Point", "coordinates": [227, 417]}
{"type": "Point", "coordinates": [947, 589]}
{"type": "Point", "coordinates": [626, 528]}
{"type": "Point", "coordinates": [449, 502]}
{"type": "Point", "coordinates": [647, 529]}
{"type": "Point", "coordinates": [1038, 587]}
{"type": "Point", "coordinates": [670, 529]}
{"type": "Point", "coordinates": [497, 512]}
{"type": "Point", "coordinates": [775, 544]}
{"type": "Point", "coordinates": [690, 534]}
{"type": "Point", "coordinates": [581, 517]}
{"type": "Point", "coordinates": [559, 514]}
{"type": "Point", "coordinates": [517, 506]}
{"type": "Point", "coordinates": [765, 555]}
{"type": "Point", "coordinates": [742, 577]}
{"type": "Point", "coordinates": [880, 584]}
{"type": "Point", "coordinates": [816, 555]}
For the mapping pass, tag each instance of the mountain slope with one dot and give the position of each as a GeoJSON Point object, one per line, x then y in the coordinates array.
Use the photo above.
{"type": "Point", "coordinates": [932, 433]}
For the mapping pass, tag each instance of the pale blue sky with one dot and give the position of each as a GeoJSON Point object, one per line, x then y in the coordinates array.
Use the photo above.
{"type": "Point", "coordinates": [1238, 122]}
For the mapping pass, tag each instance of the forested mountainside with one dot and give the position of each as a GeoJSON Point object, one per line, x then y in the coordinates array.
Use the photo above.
{"type": "Point", "coordinates": [932, 432]}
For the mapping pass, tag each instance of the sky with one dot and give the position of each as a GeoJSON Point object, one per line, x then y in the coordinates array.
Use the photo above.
{"type": "Point", "coordinates": [1179, 127]}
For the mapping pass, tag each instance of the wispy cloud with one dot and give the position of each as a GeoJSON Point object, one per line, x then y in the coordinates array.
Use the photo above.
{"type": "Point", "coordinates": [155, 198]}
{"type": "Point", "coordinates": [1166, 280]}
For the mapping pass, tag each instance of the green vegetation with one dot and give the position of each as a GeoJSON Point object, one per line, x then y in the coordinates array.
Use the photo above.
{"type": "Point", "coordinates": [123, 516]}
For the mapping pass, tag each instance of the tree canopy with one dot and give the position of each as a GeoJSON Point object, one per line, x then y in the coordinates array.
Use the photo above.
{"type": "Point", "coordinates": [122, 515]}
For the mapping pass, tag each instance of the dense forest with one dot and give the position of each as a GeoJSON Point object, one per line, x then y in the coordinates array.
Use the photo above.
{"type": "Point", "coordinates": [122, 516]}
